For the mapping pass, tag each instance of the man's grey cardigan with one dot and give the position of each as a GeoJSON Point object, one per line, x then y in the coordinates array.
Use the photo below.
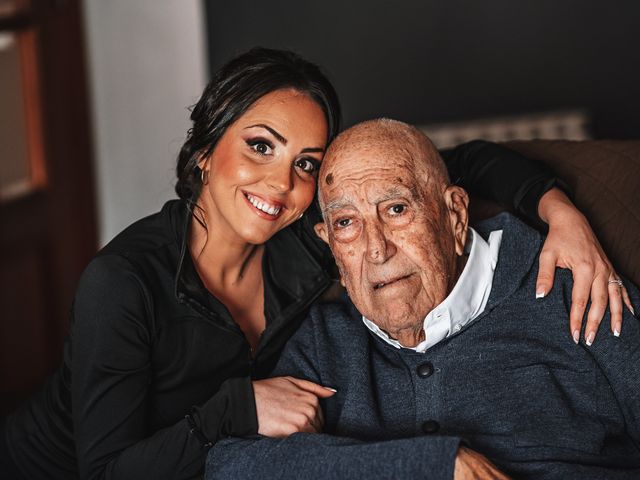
{"type": "Point", "coordinates": [511, 385]}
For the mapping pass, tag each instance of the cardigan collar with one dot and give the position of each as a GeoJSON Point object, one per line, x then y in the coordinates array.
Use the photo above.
{"type": "Point", "coordinates": [518, 251]}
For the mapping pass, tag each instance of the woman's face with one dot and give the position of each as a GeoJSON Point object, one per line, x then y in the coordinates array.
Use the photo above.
{"type": "Point", "coordinates": [262, 172]}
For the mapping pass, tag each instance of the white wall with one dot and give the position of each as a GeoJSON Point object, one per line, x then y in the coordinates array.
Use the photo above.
{"type": "Point", "coordinates": [146, 66]}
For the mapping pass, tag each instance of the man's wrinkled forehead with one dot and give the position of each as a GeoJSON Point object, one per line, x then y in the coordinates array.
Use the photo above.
{"type": "Point", "coordinates": [355, 164]}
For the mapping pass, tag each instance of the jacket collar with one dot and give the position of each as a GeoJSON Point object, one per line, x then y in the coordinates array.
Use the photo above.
{"type": "Point", "coordinates": [293, 278]}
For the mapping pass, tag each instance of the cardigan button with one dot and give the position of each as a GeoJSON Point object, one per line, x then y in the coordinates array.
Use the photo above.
{"type": "Point", "coordinates": [425, 370]}
{"type": "Point", "coordinates": [430, 426]}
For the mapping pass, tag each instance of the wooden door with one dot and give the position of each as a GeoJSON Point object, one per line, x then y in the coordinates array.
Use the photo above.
{"type": "Point", "coordinates": [47, 207]}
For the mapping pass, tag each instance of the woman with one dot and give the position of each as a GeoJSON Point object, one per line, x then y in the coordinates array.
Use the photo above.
{"type": "Point", "coordinates": [177, 319]}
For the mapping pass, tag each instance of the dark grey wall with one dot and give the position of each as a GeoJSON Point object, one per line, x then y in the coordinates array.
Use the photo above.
{"type": "Point", "coordinates": [433, 61]}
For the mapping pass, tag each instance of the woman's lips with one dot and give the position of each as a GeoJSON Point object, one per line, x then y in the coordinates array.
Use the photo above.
{"type": "Point", "coordinates": [264, 208]}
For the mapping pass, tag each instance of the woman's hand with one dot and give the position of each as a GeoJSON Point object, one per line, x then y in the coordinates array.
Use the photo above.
{"type": "Point", "coordinates": [286, 405]}
{"type": "Point", "coordinates": [572, 244]}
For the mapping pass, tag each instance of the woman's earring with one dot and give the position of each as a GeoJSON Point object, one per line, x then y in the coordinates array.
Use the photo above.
{"type": "Point", "coordinates": [204, 176]}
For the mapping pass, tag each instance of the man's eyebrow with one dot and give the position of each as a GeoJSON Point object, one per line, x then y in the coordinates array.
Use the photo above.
{"type": "Point", "coordinates": [394, 192]}
{"type": "Point", "coordinates": [273, 132]}
{"type": "Point", "coordinates": [336, 205]}
{"type": "Point", "coordinates": [391, 194]}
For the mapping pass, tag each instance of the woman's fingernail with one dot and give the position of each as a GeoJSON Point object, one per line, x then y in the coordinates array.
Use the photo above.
{"type": "Point", "coordinates": [540, 293]}
{"type": "Point", "coordinates": [632, 310]}
{"type": "Point", "coordinates": [576, 337]}
{"type": "Point", "coordinates": [331, 389]}
{"type": "Point", "coordinates": [590, 338]}
{"type": "Point", "coordinates": [616, 333]}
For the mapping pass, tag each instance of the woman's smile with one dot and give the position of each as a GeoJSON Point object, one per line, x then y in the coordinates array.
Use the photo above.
{"type": "Point", "coordinates": [268, 209]}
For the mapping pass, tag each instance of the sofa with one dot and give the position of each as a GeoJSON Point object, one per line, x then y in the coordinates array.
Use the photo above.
{"type": "Point", "coordinates": [605, 178]}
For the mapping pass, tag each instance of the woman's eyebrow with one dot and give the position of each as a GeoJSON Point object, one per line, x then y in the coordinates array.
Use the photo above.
{"type": "Point", "coordinates": [273, 132]}
{"type": "Point", "coordinates": [284, 140]}
{"type": "Point", "coordinates": [313, 150]}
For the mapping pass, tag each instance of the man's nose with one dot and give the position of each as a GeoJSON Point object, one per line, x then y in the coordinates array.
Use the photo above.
{"type": "Point", "coordinates": [280, 178]}
{"type": "Point", "coordinates": [379, 247]}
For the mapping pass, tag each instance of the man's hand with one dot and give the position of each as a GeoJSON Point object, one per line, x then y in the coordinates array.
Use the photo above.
{"type": "Point", "coordinates": [572, 244]}
{"type": "Point", "coordinates": [287, 405]}
{"type": "Point", "coordinates": [470, 465]}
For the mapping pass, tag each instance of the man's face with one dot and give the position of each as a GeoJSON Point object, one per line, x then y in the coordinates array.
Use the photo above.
{"type": "Point", "coordinates": [392, 234]}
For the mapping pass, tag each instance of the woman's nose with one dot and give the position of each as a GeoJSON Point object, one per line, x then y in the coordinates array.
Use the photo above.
{"type": "Point", "coordinates": [281, 179]}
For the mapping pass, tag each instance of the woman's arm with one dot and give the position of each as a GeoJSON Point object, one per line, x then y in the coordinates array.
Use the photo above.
{"type": "Point", "coordinates": [112, 377]}
{"type": "Point", "coordinates": [494, 172]}
{"type": "Point", "coordinates": [531, 189]}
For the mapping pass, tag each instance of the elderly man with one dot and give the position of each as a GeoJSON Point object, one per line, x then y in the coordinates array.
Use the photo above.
{"type": "Point", "coordinates": [441, 342]}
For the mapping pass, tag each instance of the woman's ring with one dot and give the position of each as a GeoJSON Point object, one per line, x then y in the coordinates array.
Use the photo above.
{"type": "Point", "coordinates": [617, 281]}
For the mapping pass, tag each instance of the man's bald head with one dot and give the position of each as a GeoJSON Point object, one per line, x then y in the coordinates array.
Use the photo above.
{"type": "Point", "coordinates": [394, 224]}
{"type": "Point", "coordinates": [385, 137]}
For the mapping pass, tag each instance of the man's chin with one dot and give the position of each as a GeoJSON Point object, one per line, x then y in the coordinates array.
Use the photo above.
{"type": "Point", "coordinates": [393, 317]}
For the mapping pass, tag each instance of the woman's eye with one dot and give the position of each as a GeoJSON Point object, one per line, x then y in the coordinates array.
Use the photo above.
{"type": "Point", "coordinates": [308, 165]}
{"type": "Point", "coordinates": [397, 209]}
{"type": "Point", "coordinates": [260, 146]}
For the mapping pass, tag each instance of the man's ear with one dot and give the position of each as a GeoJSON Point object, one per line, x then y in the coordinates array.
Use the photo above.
{"type": "Point", "coordinates": [457, 201]}
{"type": "Point", "coordinates": [321, 231]}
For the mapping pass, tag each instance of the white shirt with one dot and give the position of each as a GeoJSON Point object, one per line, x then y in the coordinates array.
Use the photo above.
{"type": "Point", "coordinates": [467, 299]}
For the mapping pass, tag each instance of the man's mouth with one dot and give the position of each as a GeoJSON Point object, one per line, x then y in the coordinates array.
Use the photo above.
{"type": "Point", "coordinates": [266, 209]}
{"type": "Point", "coordinates": [391, 281]}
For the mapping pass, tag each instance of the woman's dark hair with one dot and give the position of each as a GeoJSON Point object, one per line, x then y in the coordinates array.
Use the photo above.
{"type": "Point", "coordinates": [233, 89]}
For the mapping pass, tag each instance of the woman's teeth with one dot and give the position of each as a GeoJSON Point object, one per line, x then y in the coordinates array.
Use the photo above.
{"type": "Point", "coordinates": [263, 206]}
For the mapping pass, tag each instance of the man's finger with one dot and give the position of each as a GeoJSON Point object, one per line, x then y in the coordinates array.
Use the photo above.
{"type": "Point", "coordinates": [546, 273]}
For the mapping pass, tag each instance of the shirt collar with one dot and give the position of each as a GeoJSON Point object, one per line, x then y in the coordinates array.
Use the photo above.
{"type": "Point", "coordinates": [466, 301]}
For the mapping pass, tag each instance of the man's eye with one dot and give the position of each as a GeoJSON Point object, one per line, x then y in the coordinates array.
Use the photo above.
{"type": "Point", "coordinates": [260, 146]}
{"type": "Point", "coordinates": [308, 165]}
{"type": "Point", "coordinates": [343, 222]}
{"type": "Point", "coordinates": [397, 209]}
